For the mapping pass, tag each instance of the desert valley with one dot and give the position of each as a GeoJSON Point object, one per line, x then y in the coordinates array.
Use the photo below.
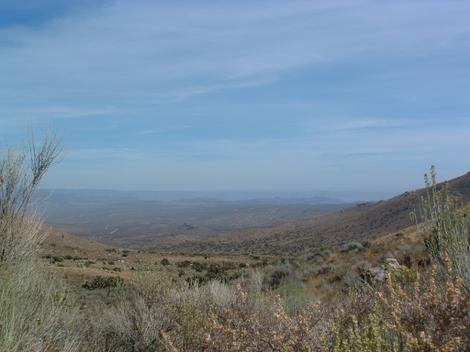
{"type": "Point", "coordinates": [234, 176]}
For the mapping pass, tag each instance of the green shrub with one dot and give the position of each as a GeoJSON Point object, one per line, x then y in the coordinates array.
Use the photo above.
{"type": "Point", "coordinates": [101, 282]}
{"type": "Point", "coordinates": [183, 264]}
{"type": "Point", "coordinates": [447, 226]}
{"type": "Point", "coordinates": [351, 246]}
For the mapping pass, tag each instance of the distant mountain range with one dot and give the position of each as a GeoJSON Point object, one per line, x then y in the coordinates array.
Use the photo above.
{"type": "Point", "coordinates": [189, 223]}
{"type": "Point", "coordinates": [364, 221]}
{"type": "Point", "coordinates": [140, 218]}
{"type": "Point", "coordinates": [257, 196]}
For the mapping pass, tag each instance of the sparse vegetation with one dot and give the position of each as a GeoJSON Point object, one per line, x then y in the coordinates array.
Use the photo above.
{"type": "Point", "coordinates": [261, 304]}
{"type": "Point", "coordinates": [414, 309]}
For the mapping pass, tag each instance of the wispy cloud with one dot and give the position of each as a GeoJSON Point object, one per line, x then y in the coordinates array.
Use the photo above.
{"type": "Point", "coordinates": [351, 124]}
{"type": "Point", "coordinates": [162, 130]}
{"type": "Point", "coordinates": [238, 91]}
{"type": "Point", "coordinates": [103, 154]}
{"type": "Point", "coordinates": [154, 46]}
{"type": "Point", "coordinates": [180, 94]}
{"type": "Point", "coordinates": [57, 112]}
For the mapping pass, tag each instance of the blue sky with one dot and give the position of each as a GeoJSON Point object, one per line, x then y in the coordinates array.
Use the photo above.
{"type": "Point", "coordinates": [240, 95]}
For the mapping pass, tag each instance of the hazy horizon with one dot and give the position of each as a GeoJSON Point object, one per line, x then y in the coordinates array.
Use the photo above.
{"type": "Point", "coordinates": [235, 195]}
{"type": "Point", "coordinates": [347, 96]}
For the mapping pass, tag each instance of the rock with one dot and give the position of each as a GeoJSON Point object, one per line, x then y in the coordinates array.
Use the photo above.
{"type": "Point", "coordinates": [377, 274]}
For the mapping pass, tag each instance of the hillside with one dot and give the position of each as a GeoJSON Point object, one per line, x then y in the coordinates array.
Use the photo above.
{"type": "Point", "coordinates": [106, 279]}
{"type": "Point", "coordinates": [363, 222]}
{"type": "Point", "coordinates": [128, 219]}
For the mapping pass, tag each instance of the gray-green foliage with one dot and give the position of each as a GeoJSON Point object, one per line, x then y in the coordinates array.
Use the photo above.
{"type": "Point", "coordinates": [449, 227]}
{"type": "Point", "coordinates": [34, 308]}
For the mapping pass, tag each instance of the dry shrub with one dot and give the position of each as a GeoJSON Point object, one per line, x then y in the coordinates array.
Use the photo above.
{"type": "Point", "coordinates": [134, 320]}
{"type": "Point", "coordinates": [20, 174]}
{"type": "Point", "coordinates": [428, 313]}
{"type": "Point", "coordinates": [409, 312]}
{"type": "Point", "coordinates": [130, 325]}
{"type": "Point", "coordinates": [242, 327]}
{"type": "Point", "coordinates": [157, 314]}
{"type": "Point", "coordinates": [432, 316]}
{"type": "Point", "coordinates": [365, 335]}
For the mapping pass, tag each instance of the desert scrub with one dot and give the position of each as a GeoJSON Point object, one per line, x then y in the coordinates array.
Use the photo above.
{"type": "Point", "coordinates": [367, 336]}
{"type": "Point", "coordinates": [164, 262]}
{"type": "Point", "coordinates": [429, 313]}
{"type": "Point", "coordinates": [35, 312]}
{"type": "Point", "coordinates": [242, 327]}
{"type": "Point", "coordinates": [446, 227]}
{"type": "Point", "coordinates": [136, 315]}
{"type": "Point", "coordinates": [433, 315]}
{"type": "Point", "coordinates": [20, 175]}
{"type": "Point", "coordinates": [101, 282]}
{"type": "Point", "coordinates": [155, 312]}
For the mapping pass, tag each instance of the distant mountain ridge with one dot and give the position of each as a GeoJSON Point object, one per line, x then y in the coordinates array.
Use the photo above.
{"type": "Point", "coordinates": [316, 196]}
{"type": "Point", "coordinates": [128, 218]}
{"type": "Point", "coordinates": [365, 221]}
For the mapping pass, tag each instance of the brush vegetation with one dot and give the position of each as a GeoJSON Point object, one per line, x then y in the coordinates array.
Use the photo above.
{"type": "Point", "coordinates": [263, 304]}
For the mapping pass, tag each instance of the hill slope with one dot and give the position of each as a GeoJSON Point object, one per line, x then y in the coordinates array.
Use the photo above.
{"type": "Point", "coordinates": [363, 222]}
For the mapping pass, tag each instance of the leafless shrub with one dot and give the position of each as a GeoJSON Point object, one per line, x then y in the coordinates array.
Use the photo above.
{"type": "Point", "coordinates": [34, 308]}
{"type": "Point", "coordinates": [20, 174]}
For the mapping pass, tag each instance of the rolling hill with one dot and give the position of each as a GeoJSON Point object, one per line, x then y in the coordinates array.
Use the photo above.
{"type": "Point", "coordinates": [365, 221]}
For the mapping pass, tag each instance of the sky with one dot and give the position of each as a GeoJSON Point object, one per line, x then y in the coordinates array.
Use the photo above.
{"type": "Point", "coordinates": [240, 95]}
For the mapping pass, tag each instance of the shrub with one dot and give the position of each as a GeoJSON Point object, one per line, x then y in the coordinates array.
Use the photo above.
{"type": "Point", "coordinates": [244, 328]}
{"type": "Point", "coordinates": [54, 258]}
{"type": "Point", "coordinates": [351, 246]}
{"type": "Point", "coordinates": [34, 311]}
{"type": "Point", "coordinates": [34, 307]}
{"type": "Point", "coordinates": [103, 282]}
{"type": "Point", "coordinates": [129, 325]}
{"type": "Point", "coordinates": [449, 228]}
{"type": "Point", "coordinates": [183, 264]}
{"type": "Point", "coordinates": [367, 336]}
{"type": "Point", "coordinates": [325, 269]}
{"type": "Point", "coordinates": [433, 315]}
{"type": "Point", "coordinates": [197, 266]}
{"type": "Point", "coordinates": [157, 314]}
